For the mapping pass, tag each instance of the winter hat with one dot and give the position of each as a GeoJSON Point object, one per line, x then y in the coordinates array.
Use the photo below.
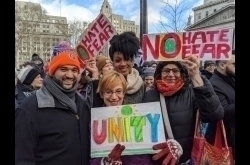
{"type": "Point", "coordinates": [61, 47]}
{"type": "Point", "coordinates": [101, 61]}
{"type": "Point", "coordinates": [27, 75]}
{"type": "Point", "coordinates": [63, 58]}
{"type": "Point", "coordinates": [207, 63]}
{"type": "Point", "coordinates": [148, 72]}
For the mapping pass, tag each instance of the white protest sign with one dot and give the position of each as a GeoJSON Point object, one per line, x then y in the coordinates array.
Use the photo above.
{"type": "Point", "coordinates": [95, 37]}
{"type": "Point", "coordinates": [207, 44]}
{"type": "Point", "coordinates": [137, 126]}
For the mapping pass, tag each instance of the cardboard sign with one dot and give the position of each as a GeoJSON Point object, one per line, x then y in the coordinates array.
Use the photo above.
{"type": "Point", "coordinates": [96, 37]}
{"type": "Point", "coordinates": [137, 126]}
{"type": "Point", "coordinates": [208, 45]}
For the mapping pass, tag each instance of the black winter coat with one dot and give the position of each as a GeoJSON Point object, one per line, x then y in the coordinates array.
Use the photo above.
{"type": "Point", "coordinates": [182, 108]}
{"type": "Point", "coordinates": [48, 133]}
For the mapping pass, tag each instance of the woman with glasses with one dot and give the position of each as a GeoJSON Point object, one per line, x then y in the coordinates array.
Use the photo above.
{"type": "Point", "coordinates": [112, 88]}
{"type": "Point", "coordinates": [184, 91]}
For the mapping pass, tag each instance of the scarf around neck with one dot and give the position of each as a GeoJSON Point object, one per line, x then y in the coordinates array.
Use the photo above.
{"type": "Point", "coordinates": [167, 90]}
{"type": "Point", "coordinates": [134, 82]}
{"type": "Point", "coordinates": [65, 97]}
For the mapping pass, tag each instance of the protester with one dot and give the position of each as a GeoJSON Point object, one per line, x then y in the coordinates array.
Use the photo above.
{"type": "Point", "coordinates": [122, 52]}
{"type": "Point", "coordinates": [39, 63]}
{"type": "Point", "coordinates": [153, 64]}
{"type": "Point", "coordinates": [183, 100]}
{"type": "Point", "coordinates": [112, 88]}
{"type": "Point", "coordinates": [61, 47]}
{"type": "Point", "coordinates": [148, 77]}
{"type": "Point", "coordinates": [208, 69]}
{"type": "Point", "coordinates": [52, 126]}
{"type": "Point", "coordinates": [104, 64]}
{"type": "Point", "coordinates": [83, 86]}
{"type": "Point", "coordinates": [29, 64]}
{"type": "Point", "coordinates": [29, 80]}
{"type": "Point", "coordinates": [223, 81]}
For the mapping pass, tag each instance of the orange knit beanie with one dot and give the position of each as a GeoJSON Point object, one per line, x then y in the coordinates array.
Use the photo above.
{"type": "Point", "coordinates": [63, 58]}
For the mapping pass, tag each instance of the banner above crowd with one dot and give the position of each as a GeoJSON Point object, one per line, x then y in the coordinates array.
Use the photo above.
{"type": "Point", "coordinates": [95, 37]}
{"type": "Point", "coordinates": [207, 44]}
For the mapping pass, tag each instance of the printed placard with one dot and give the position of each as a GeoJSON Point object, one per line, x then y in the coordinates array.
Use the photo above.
{"type": "Point", "coordinates": [207, 45]}
{"type": "Point", "coordinates": [95, 37]}
{"type": "Point", "coordinates": [137, 126]}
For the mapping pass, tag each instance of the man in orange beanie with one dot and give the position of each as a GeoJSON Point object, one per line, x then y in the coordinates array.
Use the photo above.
{"type": "Point", "coordinates": [52, 125]}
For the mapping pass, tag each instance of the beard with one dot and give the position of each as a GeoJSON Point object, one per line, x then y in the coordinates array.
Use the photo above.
{"type": "Point", "coordinates": [60, 83]}
{"type": "Point", "coordinates": [230, 73]}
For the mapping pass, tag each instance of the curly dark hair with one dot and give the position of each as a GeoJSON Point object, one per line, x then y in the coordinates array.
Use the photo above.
{"type": "Point", "coordinates": [126, 43]}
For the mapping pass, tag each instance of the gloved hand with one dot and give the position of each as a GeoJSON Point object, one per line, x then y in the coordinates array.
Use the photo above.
{"type": "Point", "coordinates": [171, 152]}
{"type": "Point", "coordinates": [114, 158]}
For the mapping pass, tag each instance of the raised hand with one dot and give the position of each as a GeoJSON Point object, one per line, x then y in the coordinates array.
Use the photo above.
{"type": "Point", "coordinates": [171, 151]}
{"type": "Point", "coordinates": [91, 66]}
{"type": "Point", "coordinates": [114, 158]}
{"type": "Point", "coordinates": [192, 64]}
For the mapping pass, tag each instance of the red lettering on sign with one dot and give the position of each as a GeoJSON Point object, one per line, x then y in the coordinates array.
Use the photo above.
{"type": "Point", "coordinates": [223, 49]}
{"type": "Point", "coordinates": [88, 38]}
{"type": "Point", "coordinates": [223, 35]}
{"type": "Point", "coordinates": [108, 30]}
{"type": "Point", "coordinates": [154, 50]}
{"type": "Point", "coordinates": [186, 37]}
{"type": "Point", "coordinates": [95, 44]}
{"type": "Point", "coordinates": [102, 23]}
{"type": "Point", "coordinates": [208, 48]}
{"type": "Point", "coordinates": [199, 35]}
{"type": "Point", "coordinates": [102, 38]}
{"type": "Point", "coordinates": [95, 28]}
{"type": "Point", "coordinates": [186, 49]}
{"type": "Point", "coordinates": [91, 50]}
{"type": "Point", "coordinates": [177, 45]}
{"type": "Point", "coordinates": [211, 35]}
{"type": "Point", "coordinates": [195, 49]}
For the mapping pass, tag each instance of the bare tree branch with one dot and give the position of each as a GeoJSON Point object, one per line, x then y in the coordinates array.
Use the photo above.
{"type": "Point", "coordinates": [175, 15]}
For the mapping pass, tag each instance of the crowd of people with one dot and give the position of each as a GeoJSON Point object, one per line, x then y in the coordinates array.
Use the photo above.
{"type": "Point", "coordinates": [54, 101]}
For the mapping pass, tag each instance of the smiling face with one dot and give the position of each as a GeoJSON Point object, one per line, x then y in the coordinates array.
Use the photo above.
{"type": "Point", "coordinates": [170, 74]}
{"type": "Point", "coordinates": [66, 76]}
{"type": "Point", "coordinates": [115, 96]}
{"type": "Point", "coordinates": [112, 88]}
{"type": "Point", "coordinates": [37, 82]}
{"type": "Point", "coordinates": [122, 65]}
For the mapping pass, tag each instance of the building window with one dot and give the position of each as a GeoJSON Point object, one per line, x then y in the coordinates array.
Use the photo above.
{"type": "Point", "coordinates": [214, 10]}
{"type": "Point", "coordinates": [206, 13]}
{"type": "Point", "coordinates": [199, 16]}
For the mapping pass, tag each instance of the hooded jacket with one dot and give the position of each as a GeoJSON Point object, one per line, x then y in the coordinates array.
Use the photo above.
{"type": "Point", "coordinates": [48, 133]}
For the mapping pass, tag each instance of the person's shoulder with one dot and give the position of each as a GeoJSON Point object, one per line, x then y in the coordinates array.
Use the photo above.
{"type": "Point", "coordinates": [29, 101]}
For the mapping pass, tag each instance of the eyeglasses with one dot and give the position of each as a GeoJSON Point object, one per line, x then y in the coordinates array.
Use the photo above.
{"type": "Point", "coordinates": [167, 71]}
{"type": "Point", "coordinates": [109, 93]}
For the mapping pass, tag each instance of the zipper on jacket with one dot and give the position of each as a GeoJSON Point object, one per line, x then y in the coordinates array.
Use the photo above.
{"type": "Point", "coordinates": [77, 117]}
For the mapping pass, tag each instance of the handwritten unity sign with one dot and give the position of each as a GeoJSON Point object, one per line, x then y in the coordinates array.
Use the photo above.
{"type": "Point", "coordinates": [137, 126]}
{"type": "Point", "coordinates": [208, 45]}
{"type": "Point", "coordinates": [95, 37]}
